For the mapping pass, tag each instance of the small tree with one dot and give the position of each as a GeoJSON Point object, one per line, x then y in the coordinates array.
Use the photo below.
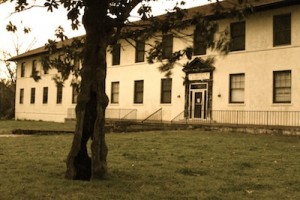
{"type": "Point", "coordinates": [106, 22]}
{"type": "Point", "coordinates": [7, 102]}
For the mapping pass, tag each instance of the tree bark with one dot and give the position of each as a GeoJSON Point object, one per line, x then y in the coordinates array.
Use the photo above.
{"type": "Point", "coordinates": [92, 99]}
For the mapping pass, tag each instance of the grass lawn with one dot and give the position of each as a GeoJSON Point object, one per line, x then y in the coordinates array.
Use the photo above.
{"type": "Point", "coordinates": [157, 165]}
{"type": "Point", "coordinates": [6, 126]}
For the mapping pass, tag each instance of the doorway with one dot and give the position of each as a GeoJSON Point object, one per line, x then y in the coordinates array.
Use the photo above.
{"type": "Point", "coordinates": [198, 101]}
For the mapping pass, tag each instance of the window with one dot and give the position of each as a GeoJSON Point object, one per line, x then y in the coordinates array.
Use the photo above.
{"type": "Point", "coordinates": [45, 95]}
{"type": "Point", "coordinates": [282, 87]}
{"type": "Point", "coordinates": [32, 96]}
{"type": "Point", "coordinates": [237, 88]}
{"type": "Point", "coordinates": [23, 69]}
{"type": "Point", "coordinates": [46, 70]}
{"type": "Point", "coordinates": [282, 30]}
{"type": "Point", "coordinates": [59, 94]}
{"type": "Point", "coordinates": [167, 46]}
{"type": "Point", "coordinates": [33, 69]}
{"type": "Point", "coordinates": [237, 33]}
{"type": "Point", "coordinates": [77, 63]}
{"type": "Point", "coordinates": [166, 90]}
{"type": "Point", "coordinates": [75, 92]}
{"type": "Point", "coordinates": [115, 92]}
{"type": "Point", "coordinates": [199, 42]}
{"type": "Point", "coordinates": [140, 51]}
{"type": "Point", "coordinates": [116, 54]}
{"type": "Point", "coordinates": [21, 100]}
{"type": "Point", "coordinates": [138, 92]}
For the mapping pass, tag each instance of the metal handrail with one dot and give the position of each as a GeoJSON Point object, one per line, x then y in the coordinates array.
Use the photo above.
{"type": "Point", "coordinates": [153, 115]}
{"type": "Point", "coordinates": [128, 114]}
{"type": "Point", "coordinates": [239, 117]}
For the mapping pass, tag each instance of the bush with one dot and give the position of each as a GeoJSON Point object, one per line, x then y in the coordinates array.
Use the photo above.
{"type": "Point", "coordinates": [7, 103]}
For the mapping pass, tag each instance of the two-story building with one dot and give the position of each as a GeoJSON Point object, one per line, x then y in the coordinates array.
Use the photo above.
{"type": "Point", "coordinates": [258, 82]}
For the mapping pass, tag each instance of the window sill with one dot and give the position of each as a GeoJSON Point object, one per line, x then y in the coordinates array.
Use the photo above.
{"type": "Point", "coordinates": [282, 104]}
{"type": "Point", "coordinates": [281, 45]}
{"type": "Point", "coordinates": [114, 104]}
{"type": "Point", "coordinates": [138, 104]}
{"type": "Point", "coordinates": [236, 104]}
{"type": "Point", "coordinates": [165, 104]}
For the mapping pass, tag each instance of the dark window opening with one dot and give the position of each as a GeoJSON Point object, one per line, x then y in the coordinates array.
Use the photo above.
{"type": "Point", "coordinates": [282, 29]}
{"type": "Point", "coordinates": [238, 34]}
{"type": "Point", "coordinates": [166, 90]}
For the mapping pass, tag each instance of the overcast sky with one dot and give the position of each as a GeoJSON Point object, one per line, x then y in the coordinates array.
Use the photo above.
{"type": "Point", "coordinates": [43, 25]}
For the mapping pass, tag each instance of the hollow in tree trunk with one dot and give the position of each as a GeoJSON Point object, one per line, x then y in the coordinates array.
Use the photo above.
{"type": "Point", "coordinates": [92, 99]}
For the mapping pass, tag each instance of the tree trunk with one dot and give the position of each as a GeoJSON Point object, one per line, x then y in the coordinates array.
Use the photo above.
{"type": "Point", "coordinates": [92, 99]}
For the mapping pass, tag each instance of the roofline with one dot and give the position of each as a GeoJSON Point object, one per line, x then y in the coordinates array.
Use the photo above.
{"type": "Point", "coordinates": [41, 50]}
{"type": "Point", "coordinates": [258, 6]}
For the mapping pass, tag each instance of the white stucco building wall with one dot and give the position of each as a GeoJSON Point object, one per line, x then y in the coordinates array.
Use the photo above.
{"type": "Point", "coordinates": [257, 62]}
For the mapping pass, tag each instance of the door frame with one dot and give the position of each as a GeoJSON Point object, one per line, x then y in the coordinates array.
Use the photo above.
{"type": "Point", "coordinates": [198, 88]}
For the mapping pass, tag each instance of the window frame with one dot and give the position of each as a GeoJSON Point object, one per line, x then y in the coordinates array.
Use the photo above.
{"type": "Point", "coordinates": [278, 29]}
{"type": "Point", "coordinates": [45, 95]}
{"type": "Point", "coordinates": [33, 67]}
{"type": "Point", "coordinates": [32, 95]}
{"type": "Point", "coordinates": [232, 90]}
{"type": "Point", "coordinates": [139, 51]}
{"type": "Point", "coordinates": [21, 97]}
{"type": "Point", "coordinates": [236, 36]}
{"type": "Point", "coordinates": [113, 93]}
{"type": "Point", "coordinates": [138, 92]}
{"type": "Point", "coordinates": [75, 93]}
{"type": "Point", "coordinates": [116, 54]}
{"type": "Point", "coordinates": [200, 46]}
{"type": "Point", "coordinates": [167, 46]}
{"type": "Point", "coordinates": [59, 94]}
{"type": "Point", "coordinates": [166, 91]}
{"type": "Point", "coordinates": [275, 89]}
{"type": "Point", "coordinates": [22, 73]}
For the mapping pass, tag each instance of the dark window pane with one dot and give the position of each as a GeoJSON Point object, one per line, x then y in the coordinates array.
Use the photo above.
{"type": "Point", "coordinates": [33, 69]}
{"type": "Point", "coordinates": [23, 69]}
{"type": "Point", "coordinates": [199, 43]}
{"type": "Point", "coordinates": [59, 94]}
{"type": "Point", "coordinates": [21, 100]}
{"type": "Point", "coordinates": [167, 46]}
{"type": "Point", "coordinates": [116, 53]}
{"type": "Point", "coordinates": [138, 91]}
{"type": "Point", "coordinates": [237, 32]}
{"type": "Point", "coordinates": [166, 90]}
{"type": "Point", "coordinates": [75, 93]}
{"type": "Point", "coordinates": [45, 95]}
{"type": "Point", "coordinates": [32, 96]}
{"type": "Point", "coordinates": [282, 29]}
{"type": "Point", "coordinates": [140, 51]}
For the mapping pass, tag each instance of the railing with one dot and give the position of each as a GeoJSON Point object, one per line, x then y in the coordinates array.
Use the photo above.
{"type": "Point", "coordinates": [121, 114]}
{"type": "Point", "coordinates": [267, 118]}
{"type": "Point", "coordinates": [154, 117]}
{"type": "Point", "coordinates": [117, 114]}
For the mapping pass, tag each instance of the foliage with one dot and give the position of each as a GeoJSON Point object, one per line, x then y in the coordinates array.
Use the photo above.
{"type": "Point", "coordinates": [65, 56]}
{"type": "Point", "coordinates": [8, 86]}
{"type": "Point", "coordinates": [208, 165]}
{"type": "Point", "coordinates": [7, 96]}
{"type": "Point", "coordinates": [10, 67]}
{"type": "Point", "coordinates": [175, 21]}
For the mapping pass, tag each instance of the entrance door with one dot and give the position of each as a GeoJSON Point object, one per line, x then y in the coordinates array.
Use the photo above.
{"type": "Point", "coordinates": [198, 101]}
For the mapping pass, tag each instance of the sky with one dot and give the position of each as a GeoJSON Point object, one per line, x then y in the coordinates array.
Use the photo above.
{"type": "Point", "coordinates": [43, 25]}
